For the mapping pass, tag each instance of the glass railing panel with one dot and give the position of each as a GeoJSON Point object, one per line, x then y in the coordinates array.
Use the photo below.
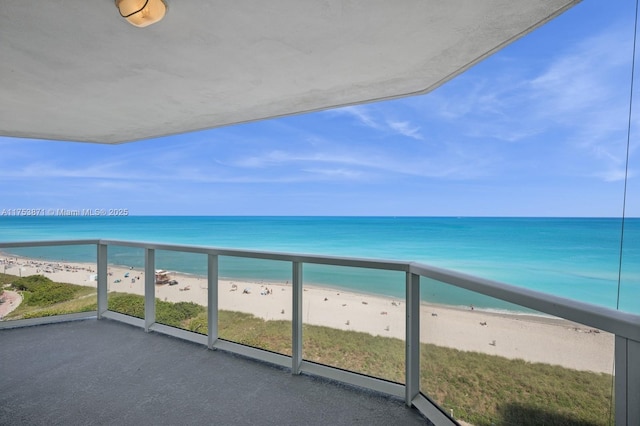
{"type": "Point", "coordinates": [254, 301]}
{"type": "Point", "coordinates": [181, 290]}
{"type": "Point", "coordinates": [47, 281]}
{"type": "Point", "coordinates": [354, 319]}
{"type": "Point", "coordinates": [125, 280]}
{"type": "Point", "coordinates": [629, 278]}
{"type": "Point", "coordinates": [487, 362]}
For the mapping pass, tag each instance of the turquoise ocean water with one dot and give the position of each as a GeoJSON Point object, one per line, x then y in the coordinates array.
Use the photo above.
{"type": "Point", "coordinates": [576, 258]}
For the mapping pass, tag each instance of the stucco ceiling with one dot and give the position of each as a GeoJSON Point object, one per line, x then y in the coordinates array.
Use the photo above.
{"type": "Point", "coordinates": [74, 70]}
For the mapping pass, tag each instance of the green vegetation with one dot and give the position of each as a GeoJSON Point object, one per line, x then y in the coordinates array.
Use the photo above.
{"type": "Point", "coordinates": [486, 390]}
{"type": "Point", "coordinates": [244, 328]}
{"type": "Point", "coordinates": [43, 297]}
{"type": "Point", "coordinates": [39, 290]}
{"type": "Point", "coordinates": [6, 279]}
{"type": "Point", "coordinates": [128, 304]}
{"type": "Point", "coordinates": [479, 389]}
{"type": "Point", "coordinates": [174, 314]}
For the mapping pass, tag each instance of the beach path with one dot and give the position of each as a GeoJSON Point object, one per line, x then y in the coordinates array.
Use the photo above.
{"type": "Point", "coordinates": [9, 301]}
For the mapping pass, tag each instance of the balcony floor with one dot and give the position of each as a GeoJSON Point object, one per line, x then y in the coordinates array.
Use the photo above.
{"type": "Point", "coordinates": [105, 372]}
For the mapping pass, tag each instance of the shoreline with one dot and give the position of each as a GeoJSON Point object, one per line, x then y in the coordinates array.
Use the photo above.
{"type": "Point", "coordinates": [511, 335]}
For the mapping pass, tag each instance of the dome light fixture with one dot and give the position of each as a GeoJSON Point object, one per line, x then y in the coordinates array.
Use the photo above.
{"type": "Point", "coordinates": [141, 13]}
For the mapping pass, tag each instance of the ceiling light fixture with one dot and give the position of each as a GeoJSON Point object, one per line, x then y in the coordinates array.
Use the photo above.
{"type": "Point", "coordinates": [141, 12]}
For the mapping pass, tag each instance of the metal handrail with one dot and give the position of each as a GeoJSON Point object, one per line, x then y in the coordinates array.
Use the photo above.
{"type": "Point", "coordinates": [617, 322]}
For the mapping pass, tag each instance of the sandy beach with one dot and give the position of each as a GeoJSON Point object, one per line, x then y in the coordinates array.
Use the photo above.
{"type": "Point", "coordinates": [528, 337]}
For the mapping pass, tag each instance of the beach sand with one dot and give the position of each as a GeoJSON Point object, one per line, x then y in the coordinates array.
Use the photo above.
{"type": "Point", "coordinates": [529, 337]}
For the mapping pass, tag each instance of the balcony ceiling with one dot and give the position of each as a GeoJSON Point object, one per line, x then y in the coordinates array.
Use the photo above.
{"type": "Point", "coordinates": [74, 70]}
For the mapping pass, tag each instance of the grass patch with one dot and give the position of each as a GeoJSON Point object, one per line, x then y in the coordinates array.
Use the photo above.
{"type": "Point", "coordinates": [6, 279]}
{"type": "Point", "coordinates": [490, 390]}
{"type": "Point", "coordinates": [127, 304]}
{"type": "Point", "coordinates": [176, 314]}
{"type": "Point", "coordinates": [173, 314]}
{"type": "Point", "coordinates": [248, 330]}
{"type": "Point", "coordinates": [377, 356]}
{"type": "Point", "coordinates": [42, 297]}
{"type": "Point", "coordinates": [38, 290]}
{"type": "Point", "coordinates": [478, 388]}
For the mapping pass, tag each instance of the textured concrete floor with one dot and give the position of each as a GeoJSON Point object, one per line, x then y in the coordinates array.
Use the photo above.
{"type": "Point", "coordinates": [108, 373]}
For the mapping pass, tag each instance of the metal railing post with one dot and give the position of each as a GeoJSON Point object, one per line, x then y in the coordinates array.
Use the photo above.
{"type": "Point", "coordinates": [149, 288]}
{"type": "Point", "coordinates": [101, 287]}
{"type": "Point", "coordinates": [412, 343]}
{"type": "Point", "coordinates": [627, 381]}
{"type": "Point", "coordinates": [212, 296]}
{"type": "Point", "coordinates": [296, 319]}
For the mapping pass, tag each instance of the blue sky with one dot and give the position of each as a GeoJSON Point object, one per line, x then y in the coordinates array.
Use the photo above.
{"type": "Point", "coordinates": [538, 129]}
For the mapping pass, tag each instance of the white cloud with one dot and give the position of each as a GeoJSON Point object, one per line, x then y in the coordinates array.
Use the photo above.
{"type": "Point", "coordinates": [590, 75]}
{"type": "Point", "coordinates": [340, 173]}
{"type": "Point", "coordinates": [377, 118]}
{"type": "Point", "coordinates": [405, 128]}
{"type": "Point", "coordinates": [578, 100]}
{"type": "Point", "coordinates": [279, 158]}
{"type": "Point", "coordinates": [613, 175]}
{"type": "Point", "coordinates": [361, 115]}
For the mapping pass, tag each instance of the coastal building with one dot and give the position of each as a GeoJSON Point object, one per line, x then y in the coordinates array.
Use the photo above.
{"type": "Point", "coordinates": [78, 71]}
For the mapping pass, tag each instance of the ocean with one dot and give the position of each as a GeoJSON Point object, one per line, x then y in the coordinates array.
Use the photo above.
{"type": "Point", "coordinates": [576, 258]}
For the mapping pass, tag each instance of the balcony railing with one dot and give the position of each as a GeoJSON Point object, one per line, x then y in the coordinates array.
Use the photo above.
{"type": "Point", "coordinates": [416, 279]}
